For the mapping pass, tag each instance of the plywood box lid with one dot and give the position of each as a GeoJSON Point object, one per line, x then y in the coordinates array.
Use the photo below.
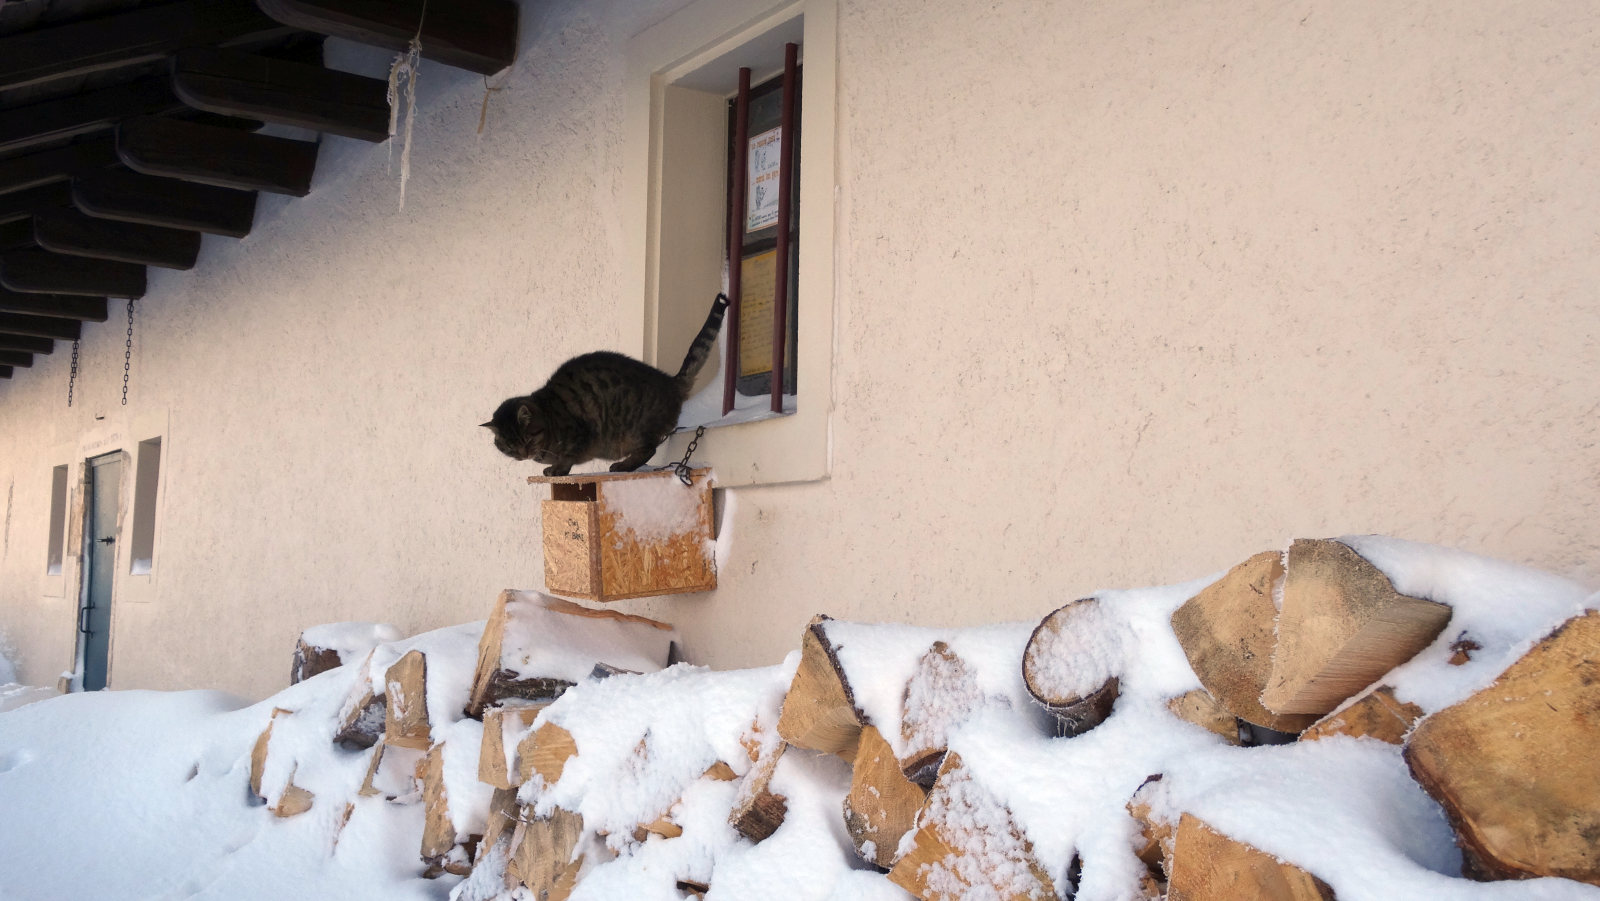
{"type": "Point", "coordinates": [579, 478]}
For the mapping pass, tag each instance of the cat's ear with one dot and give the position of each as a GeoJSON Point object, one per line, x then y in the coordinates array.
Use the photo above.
{"type": "Point", "coordinates": [524, 415]}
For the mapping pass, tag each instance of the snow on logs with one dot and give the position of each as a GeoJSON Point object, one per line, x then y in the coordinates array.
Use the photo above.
{"type": "Point", "coordinates": [952, 754]}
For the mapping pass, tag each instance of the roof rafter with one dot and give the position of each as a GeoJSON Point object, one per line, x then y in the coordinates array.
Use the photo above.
{"type": "Point", "coordinates": [217, 156]}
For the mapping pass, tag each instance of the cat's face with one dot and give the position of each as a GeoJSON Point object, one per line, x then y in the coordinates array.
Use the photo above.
{"type": "Point", "coordinates": [518, 433]}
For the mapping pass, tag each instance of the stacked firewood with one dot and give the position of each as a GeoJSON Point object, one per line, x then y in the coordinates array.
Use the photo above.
{"type": "Point", "coordinates": [1301, 645]}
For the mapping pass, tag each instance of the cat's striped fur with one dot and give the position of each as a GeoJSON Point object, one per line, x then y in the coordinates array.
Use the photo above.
{"type": "Point", "coordinates": [602, 405]}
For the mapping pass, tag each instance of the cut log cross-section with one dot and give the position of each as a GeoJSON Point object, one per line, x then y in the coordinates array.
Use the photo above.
{"type": "Point", "coordinates": [1378, 714]}
{"type": "Point", "coordinates": [941, 693]}
{"type": "Point", "coordinates": [1209, 866]}
{"type": "Point", "coordinates": [542, 854]}
{"type": "Point", "coordinates": [405, 694]}
{"type": "Point", "coordinates": [819, 710]}
{"type": "Point", "coordinates": [1064, 674]}
{"type": "Point", "coordinates": [1513, 766]}
{"type": "Point", "coordinates": [1203, 710]}
{"type": "Point", "coordinates": [967, 845]}
{"type": "Point", "coordinates": [500, 726]}
{"type": "Point", "coordinates": [544, 753]}
{"type": "Point", "coordinates": [1228, 631]}
{"type": "Point", "coordinates": [289, 799]}
{"type": "Point", "coordinates": [882, 804]}
{"type": "Point", "coordinates": [1342, 627]}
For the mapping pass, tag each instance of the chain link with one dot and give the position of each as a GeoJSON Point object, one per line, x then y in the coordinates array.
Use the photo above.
{"type": "Point", "coordinates": [127, 354]}
{"type": "Point", "coordinates": [685, 474]}
{"type": "Point", "coordinates": [73, 378]}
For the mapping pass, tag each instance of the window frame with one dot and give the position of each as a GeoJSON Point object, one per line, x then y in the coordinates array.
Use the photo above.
{"type": "Point", "coordinates": [665, 64]}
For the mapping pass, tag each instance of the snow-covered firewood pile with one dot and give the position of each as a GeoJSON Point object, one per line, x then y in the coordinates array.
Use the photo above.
{"type": "Point", "coordinates": [1364, 718]}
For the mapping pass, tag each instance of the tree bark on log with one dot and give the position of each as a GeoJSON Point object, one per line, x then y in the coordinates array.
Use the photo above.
{"type": "Point", "coordinates": [1513, 766]}
{"type": "Point", "coordinates": [882, 805]}
{"type": "Point", "coordinates": [1228, 631]}
{"type": "Point", "coordinates": [362, 718]}
{"type": "Point", "coordinates": [819, 710]}
{"type": "Point", "coordinates": [310, 660]}
{"type": "Point", "coordinates": [1342, 627]}
{"type": "Point", "coordinates": [1062, 673]}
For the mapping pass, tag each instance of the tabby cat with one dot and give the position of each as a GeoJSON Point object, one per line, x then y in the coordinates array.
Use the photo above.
{"type": "Point", "coordinates": [602, 405]}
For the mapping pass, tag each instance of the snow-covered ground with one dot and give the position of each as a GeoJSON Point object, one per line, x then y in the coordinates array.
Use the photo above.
{"type": "Point", "coordinates": [145, 795]}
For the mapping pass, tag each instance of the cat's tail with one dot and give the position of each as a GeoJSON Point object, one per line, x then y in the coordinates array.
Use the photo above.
{"type": "Point", "coordinates": [700, 348]}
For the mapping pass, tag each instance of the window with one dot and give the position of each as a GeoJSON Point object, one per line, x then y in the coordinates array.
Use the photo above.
{"type": "Point", "coordinates": [147, 475]}
{"type": "Point", "coordinates": [58, 520]}
{"type": "Point", "coordinates": [683, 73]}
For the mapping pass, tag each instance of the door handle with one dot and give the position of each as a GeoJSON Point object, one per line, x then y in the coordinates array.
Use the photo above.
{"type": "Point", "coordinates": [107, 540]}
{"type": "Point", "coordinates": [83, 620]}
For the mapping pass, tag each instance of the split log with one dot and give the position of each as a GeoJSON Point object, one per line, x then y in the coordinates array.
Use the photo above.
{"type": "Point", "coordinates": [309, 660]}
{"type": "Point", "coordinates": [544, 753]}
{"type": "Point", "coordinates": [493, 853]}
{"type": "Point", "coordinates": [967, 845]}
{"type": "Point", "coordinates": [721, 772]}
{"type": "Point", "coordinates": [291, 799]}
{"type": "Point", "coordinates": [1228, 631]}
{"type": "Point", "coordinates": [499, 676]}
{"type": "Point", "coordinates": [941, 694]}
{"type": "Point", "coordinates": [501, 727]}
{"type": "Point", "coordinates": [1156, 836]}
{"type": "Point", "coordinates": [819, 711]}
{"type": "Point", "coordinates": [1513, 766]}
{"type": "Point", "coordinates": [362, 718]}
{"type": "Point", "coordinates": [1342, 627]}
{"type": "Point", "coordinates": [440, 850]}
{"type": "Point", "coordinates": [757, 810]}
{"type": "Point", "coordinates": [406, 695]}
{"type": "Point", "coordinates": [693, 889]}
{"type": "Point", "coordinates": [1064, 674]}
{"type": "Point", "coordinates": [1209, 866]}
{"type": "Point", "coordinates": [1378, 714]}
{"type": "Point", "coordinates": [391, 772]}
{"type": "Point", "coordinates": [882, 805]}
{"type": "Point", "coordinates": [1203, 710]}
{"type": "Point", "coordinates": [542, 854]}
{"type": "Point", "coordinates": [662, 826]}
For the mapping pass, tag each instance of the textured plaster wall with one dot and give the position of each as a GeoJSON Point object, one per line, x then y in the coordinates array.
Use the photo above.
{"type": "Point", "coordinates": [1126, 292]}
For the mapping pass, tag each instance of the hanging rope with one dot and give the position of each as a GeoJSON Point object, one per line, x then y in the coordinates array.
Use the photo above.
{"type": "Point", "coordinates": [405, 68]}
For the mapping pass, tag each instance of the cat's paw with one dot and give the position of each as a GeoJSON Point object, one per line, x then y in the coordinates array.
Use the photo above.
{"type": "Point", "coordinates": [558, 470]}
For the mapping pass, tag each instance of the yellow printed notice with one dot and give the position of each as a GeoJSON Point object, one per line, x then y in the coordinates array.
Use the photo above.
{"type": "Point", "coordinates": [757, 282]}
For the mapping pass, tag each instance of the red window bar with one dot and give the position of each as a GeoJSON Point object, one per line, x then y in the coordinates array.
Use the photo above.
{"type": "Point", "coordinates": [738, 189]}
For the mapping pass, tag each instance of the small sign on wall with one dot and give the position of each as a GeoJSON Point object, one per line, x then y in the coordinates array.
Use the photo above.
{"type": "Point", "coordinates": [766, 153]}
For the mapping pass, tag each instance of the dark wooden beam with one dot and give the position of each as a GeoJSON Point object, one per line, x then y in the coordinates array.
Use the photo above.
{"type": "Point", "coordinates": [217, 156]}
{"type": "Point", "coordinates": [15, 358]}
{"type": "Point", "coordinates": [26, 345]}
{"type": "Point", "coordinates": [76, 114]}
{"type": "Point", "coordinates": [5, 372]}
{"type": "Point", "coordinates": [19, 205]}
{"type": "Point", "coordinates": [40, 272]}
{"type": "Point", "coordinates": [16, 235]}
{"type": "Point", "coordinates": [72, 233]}
{"type": "Point", "coordinates": [241, 84]}
{"type": "Point", "coordinates": [41, 326]}
{"type": "Point", "coordinates": [149, 200]}
{"type": "Point", "coordinates": [140, 35]}
{"type": "Point", "coordinates": [59, 164]}
{"type": "Point", "coordinates": [476, 35]}
{"type": "Point", "coordinates": [88, 309]}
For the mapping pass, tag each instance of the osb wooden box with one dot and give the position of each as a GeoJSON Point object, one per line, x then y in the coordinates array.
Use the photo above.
{"type": "Point", "coordinates": [616, 535]}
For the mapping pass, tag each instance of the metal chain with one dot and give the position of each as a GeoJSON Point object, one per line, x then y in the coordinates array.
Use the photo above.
{"type": "Point", "coordinates": [685, 474]}
{"type": "Point", "coordinates": [73, 378]}
{"type": "Point", "coordinates": [127, 354]}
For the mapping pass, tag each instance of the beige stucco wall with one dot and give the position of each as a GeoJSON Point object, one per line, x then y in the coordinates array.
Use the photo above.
{"type": "Point", "coordinates": [1125, 292]}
